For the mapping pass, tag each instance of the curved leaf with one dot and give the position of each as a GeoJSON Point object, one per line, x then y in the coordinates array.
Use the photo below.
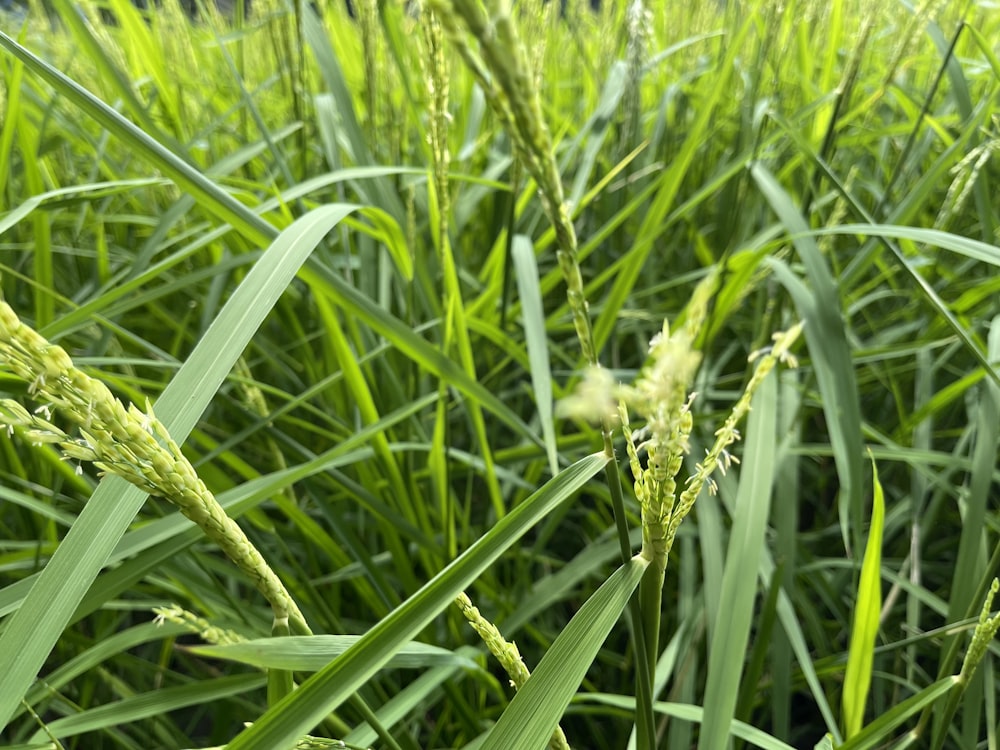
{"type": "Point", "coordinates": [310, 653]}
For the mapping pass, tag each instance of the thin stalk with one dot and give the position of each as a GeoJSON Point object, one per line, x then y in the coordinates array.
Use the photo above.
{"type": "Point", "coordinates": [504, 75]}
{"type": "Point", "coordinates": [438, 189]}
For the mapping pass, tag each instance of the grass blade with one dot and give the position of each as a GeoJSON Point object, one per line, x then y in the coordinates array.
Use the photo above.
{"type": "Point", "coordinates": [534, 332]}
{"type": "Point", "coordinates": [860, 657]}
{"type": "Point", "coordinates": [209, 196]}
{"type": "Point", "coordinates": [403, 337]}
{"type": "Point", "coordinates": [692, 714]}
{"type": "Point", "coordinates": [155, 703]}
{"type": "Point", "coordinates": [312, 653]}
{"type": "Point", "coordinates": [535, 711]}
{"type": "Point", "coordinates": [739, 579]}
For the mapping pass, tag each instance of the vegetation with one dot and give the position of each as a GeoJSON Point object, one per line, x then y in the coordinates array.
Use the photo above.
{"type": "Point", "coordinates": [461, 312]}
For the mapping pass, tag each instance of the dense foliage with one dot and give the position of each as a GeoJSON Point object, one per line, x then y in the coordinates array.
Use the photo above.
{"type": "Point", "coordinates": [332, 246]}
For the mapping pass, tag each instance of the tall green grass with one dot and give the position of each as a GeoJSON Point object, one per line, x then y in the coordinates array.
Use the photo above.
{"type": "Point", "coordinates": [357, 263]}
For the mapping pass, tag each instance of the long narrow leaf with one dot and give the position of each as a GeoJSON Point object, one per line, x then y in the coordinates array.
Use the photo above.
{"type": "Point", "coordinates": [858, 675]}
{"type": "Point", "coordinates": [693, 714]}
{"type": "Point", "coordinates": [532, 716]}
{"type": "Point", "coordinates": [739, 580]}
{"type": "Point", "coordinates": [210, 196]}
{"type": "Point", "coordinates": [534, 333]}
{"type": "Point", "coordinates": [154, 703]}
{"type": "Point", "coordinates": [310, 653]}
{"type": "Point", "coordinates": [402, 336]}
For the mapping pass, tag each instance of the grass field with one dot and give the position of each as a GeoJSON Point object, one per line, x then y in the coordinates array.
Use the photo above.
{"type": "Point", "coordinates": [658, 339]}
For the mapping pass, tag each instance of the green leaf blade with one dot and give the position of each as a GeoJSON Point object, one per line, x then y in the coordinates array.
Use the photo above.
{"type": "Point", "coordinates": [532, 716]}
{"type": "Point", "coordinates": [860, 656]}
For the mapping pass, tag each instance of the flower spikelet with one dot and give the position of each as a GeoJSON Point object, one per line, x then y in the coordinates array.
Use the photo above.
{"type": "Point", "coordinates": [595, 398]}
{"type": "Point", "coordinates": [504, 73]}
{"type": "Point", "coordinates": [986, 630]}
{"type": "Point", "coordinates": [507, 653]}
{"type": "Point", "coordinates": [660, 396]}
{"type": "Point", "coordinates": [199, 625]}
{"type": "Point", "coordinates": [128, 442]}
{"type": "Point", "coordinates": [718, 457]}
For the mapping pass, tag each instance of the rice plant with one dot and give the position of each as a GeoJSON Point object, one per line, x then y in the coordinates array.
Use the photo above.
{"type": "Point", "coordinates": [476, 374]}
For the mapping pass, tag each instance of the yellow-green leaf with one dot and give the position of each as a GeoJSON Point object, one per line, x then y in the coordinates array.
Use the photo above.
{"type": "Point", "coordinates": [857, 678]}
